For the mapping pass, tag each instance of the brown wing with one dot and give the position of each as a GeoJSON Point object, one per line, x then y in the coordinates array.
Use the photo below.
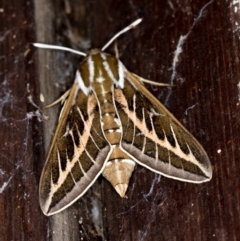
{"type": "Point", "coordinates": [77, 154]}
{"type": "Point", "coordinates": [155, 139]}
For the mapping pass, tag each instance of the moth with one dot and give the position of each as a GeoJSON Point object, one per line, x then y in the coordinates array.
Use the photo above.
{"type": "Point", "coordinates": [110, 122]}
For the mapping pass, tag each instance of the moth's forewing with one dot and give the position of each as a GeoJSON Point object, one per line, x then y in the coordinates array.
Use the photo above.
{"type": "Point", "coordinates": [155, 139]}
{"type": "Point", "coordinates": [76, 156]}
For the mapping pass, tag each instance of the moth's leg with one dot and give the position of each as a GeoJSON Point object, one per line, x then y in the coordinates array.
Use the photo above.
{"type": "Point", "coordinates": [61, 99]}
{"type": "Point", "coordinates": [150, 81]}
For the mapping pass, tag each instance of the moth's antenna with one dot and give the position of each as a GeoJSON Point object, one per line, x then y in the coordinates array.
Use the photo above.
{"type": "Point", "coordinates": [132, 25]}
{"type": "Point", "coordinates": [48, 46]}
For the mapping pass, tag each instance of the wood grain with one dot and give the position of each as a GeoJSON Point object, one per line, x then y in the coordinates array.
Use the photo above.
{"type": "Point", "coordinates": [192, 44]}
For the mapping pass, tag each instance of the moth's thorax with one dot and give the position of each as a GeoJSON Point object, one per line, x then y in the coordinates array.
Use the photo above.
{"type": "Point", "coordinates": [99, 72]}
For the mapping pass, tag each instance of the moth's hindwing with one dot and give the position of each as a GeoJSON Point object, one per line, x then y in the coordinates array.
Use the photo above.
{"type": "Point", "coordinates": [77, 154]}
{"type": "Point", "coordinates": [155, 139]}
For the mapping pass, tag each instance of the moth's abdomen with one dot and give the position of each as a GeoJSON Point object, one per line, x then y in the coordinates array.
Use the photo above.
{"type": "Point", "coordinates": [118, 170]}
{"type": "Point", "coordinates": [111, 125]}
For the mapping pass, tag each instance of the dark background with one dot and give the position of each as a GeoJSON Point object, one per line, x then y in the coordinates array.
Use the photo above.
{"type": "Point", "coordinates": [206, 99]}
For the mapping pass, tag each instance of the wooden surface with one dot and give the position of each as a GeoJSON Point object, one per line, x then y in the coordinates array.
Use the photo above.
{"type": "Point", "coordinates": [192, 44]}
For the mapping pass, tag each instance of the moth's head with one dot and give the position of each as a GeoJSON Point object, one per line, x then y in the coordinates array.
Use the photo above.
{"type": "Point", "coordinates": [93, 52]}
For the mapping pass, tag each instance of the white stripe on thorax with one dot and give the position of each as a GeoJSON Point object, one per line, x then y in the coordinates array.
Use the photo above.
{"type": "Point", "coordinates": [91, 68]}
